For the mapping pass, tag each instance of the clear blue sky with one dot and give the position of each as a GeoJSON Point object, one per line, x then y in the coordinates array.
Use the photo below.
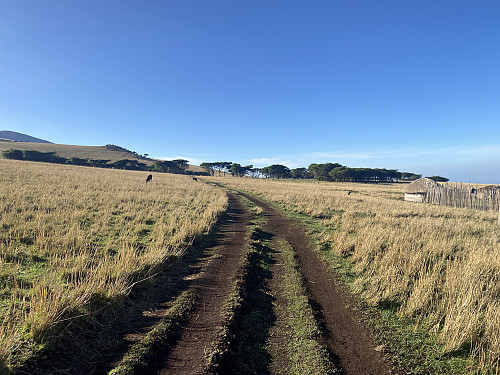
{"type": "Point", "coordinates": [410, 85]}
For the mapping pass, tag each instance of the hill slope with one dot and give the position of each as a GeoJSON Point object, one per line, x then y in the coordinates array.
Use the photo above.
{"type": "Point", "coordinates": [110, 152]}
{"type": "Point", "coordinates": [20, 137]}
{"type": "Point", "coordinates": [85, 152]}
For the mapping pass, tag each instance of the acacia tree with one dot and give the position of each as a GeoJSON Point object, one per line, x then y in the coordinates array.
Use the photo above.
{"type": "Point", "coordinates": [340, 174]}
{"type": "Point", "coordinates": [410, 176]}
{"type": "Point", "coordinates": [322, 171]}
{"type": "Point", "coordinates": [255, 172]}
{"type": "Point", "coordinates": [226, 166]}
{"type": "Point", "coordinates": [247, 169]}
{"type": "Point", "coordinates": [181, 164]}
{"type": "Point", "coordinates": [300, 173]}
{"type": "Point", "coordinates": [236, 170]}
{"type": "Point", "coordinates": [130, 164]}
{"type": "Point", "coordinates": [99, 163]}
{"type": "Point", "coordinates": [166, 166]}
{"type": "Point", "coordinates": [439, 178]}
{"type": "Point", "coordinates": [393, 174]}
{"type": "Point", "coordinates": [220, 166]}
{"type": "Point", "coordinates": [13, 154]}
{"type": "Point", "coordinates": [77, 161]}
{"type": "Point", "coordinates": [209, 167]}
{"type": "Point", "coordinates": [276, 171]}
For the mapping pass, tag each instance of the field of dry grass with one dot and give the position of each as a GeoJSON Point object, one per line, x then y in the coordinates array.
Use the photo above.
{"type": "Point", "coordinates": [72, 235]}
{"type": "Point", "coordinates": [438, 265]}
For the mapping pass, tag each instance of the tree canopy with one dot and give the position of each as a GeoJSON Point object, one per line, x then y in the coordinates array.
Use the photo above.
{"type": "Point", "coordinates": [318, 171]}
{"type": "Point", "coordinates": [439, 179]}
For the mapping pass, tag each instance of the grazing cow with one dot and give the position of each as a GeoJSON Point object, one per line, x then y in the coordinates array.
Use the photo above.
{"type": "Point", "coordinates": [150, 177]}
{"type": "Point", "coordinates": [195, 179]}
{"type": "Point", "coordinates": [349, 192]}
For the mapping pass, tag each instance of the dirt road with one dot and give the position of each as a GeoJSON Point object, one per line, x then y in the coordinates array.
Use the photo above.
{"type": "Point", "coordinates": [214, 270]}
{"type": "Point", "coordinates": [343, 333]}
{"type": "Point", "coordinates": [212, 286]}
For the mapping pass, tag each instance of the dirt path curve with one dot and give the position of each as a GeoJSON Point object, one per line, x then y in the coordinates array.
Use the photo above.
{"type": "Point", "coordinates": [213, 286]}
{"type": "Point", "coordinates": [345, 336]}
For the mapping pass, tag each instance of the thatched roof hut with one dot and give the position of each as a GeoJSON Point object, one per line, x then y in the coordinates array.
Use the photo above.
{"type": "Point", "coordinates": [421, 185]}
{"type": "Point", "coordinates": [417, 190]}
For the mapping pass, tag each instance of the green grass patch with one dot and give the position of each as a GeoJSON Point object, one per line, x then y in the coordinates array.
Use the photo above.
{"type": "Point", "coordinates": [295, 320]}
{"type": "Point", "coordinates": [414, 350]}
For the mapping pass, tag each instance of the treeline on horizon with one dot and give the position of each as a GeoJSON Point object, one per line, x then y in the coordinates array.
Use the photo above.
{"type": "Point", "coordinates": [322, 172]}
{"type": "Point", "coordinates": [178, 166]}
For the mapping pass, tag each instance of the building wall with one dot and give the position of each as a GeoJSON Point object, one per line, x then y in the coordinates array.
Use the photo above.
{"type": "Point", "coordinates": [414, 197]}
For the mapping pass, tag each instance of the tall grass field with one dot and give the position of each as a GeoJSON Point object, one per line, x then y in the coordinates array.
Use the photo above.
{"type": "Point", "coordinates": [438, 265]}
{"type": "Point", "coordinates": [71, 236]}
{"type": "Point", "coordinates": [74, 239]}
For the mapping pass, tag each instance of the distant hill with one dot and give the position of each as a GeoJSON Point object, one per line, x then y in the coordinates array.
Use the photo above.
{"type": "Point", "coordinates": [112, 153]}
{"type": "Point", "coordinates": [19, 137]}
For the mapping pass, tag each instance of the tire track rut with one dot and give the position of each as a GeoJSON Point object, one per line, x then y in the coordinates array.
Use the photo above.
{"type": "Point", "coordinates": [212, 286]}
{"type": "Point", "coordinates": [345, 336]}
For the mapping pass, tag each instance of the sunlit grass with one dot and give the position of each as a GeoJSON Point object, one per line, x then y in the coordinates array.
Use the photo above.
{"type": "Point", "coordinates": [73, 239]}
{"type": "Point", "coordinates": [437, 265]}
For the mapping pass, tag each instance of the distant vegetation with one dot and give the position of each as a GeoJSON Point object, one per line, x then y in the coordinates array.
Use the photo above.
{"type": "Point", "coordinates": [178, 166]}
{"type": "Point", "coordinates": [323, 172]}
{"type": "Point", "coordinates": [439, 178]}
{"type": "Point", "coordinates": [123, 149]}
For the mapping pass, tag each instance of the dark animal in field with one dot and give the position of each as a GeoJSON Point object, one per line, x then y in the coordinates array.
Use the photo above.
{"type": "Point", "coordinates": [150, 177]}
{"type": "Point", "coordinates": [349, 192]}
{"type": "Point", "coordinates": [195, 179]}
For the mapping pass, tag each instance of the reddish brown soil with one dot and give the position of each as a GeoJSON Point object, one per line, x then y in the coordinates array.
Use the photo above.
{"type": "Point", "coordinates": [213, 286]}
{"type": "Point", "coordinates": [346, 337]}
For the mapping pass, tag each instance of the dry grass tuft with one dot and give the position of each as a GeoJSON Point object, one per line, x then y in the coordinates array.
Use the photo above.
{"type": "Point", "coordinates": [75, 238]}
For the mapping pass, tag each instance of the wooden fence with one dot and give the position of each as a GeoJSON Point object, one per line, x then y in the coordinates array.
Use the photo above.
{"type": "Point", "coordinates": [462, 195]}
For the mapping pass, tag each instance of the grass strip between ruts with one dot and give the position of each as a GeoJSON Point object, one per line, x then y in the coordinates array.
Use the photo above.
{"type": "Point", "coordinates": [302, 353]}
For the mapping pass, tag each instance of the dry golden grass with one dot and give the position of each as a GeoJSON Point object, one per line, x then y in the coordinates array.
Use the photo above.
{"type": "Point", "coordinates": [71, 234]}
{"type": "Point", "coordinates": [440, 265]}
